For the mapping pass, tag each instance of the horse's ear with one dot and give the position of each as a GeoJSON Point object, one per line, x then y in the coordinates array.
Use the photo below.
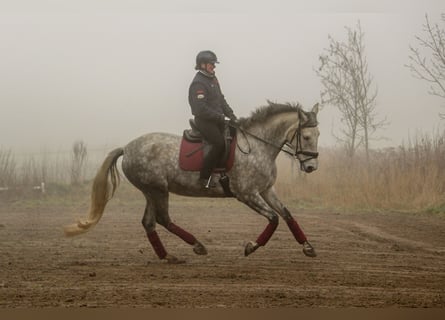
{"type": "Point", "coordinates": [315, 108]}
{"type": "Point", "coordinates": [303, 116]}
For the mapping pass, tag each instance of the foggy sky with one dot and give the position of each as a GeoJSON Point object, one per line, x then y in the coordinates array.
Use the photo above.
{"type": "Point", "coordinates": [106, 72]}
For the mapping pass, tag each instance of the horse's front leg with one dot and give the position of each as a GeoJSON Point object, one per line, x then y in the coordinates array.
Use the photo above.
{"type": "Point", "coordinates": [272, 200]}
{"type": "Point", "coordinates": [257, 203]}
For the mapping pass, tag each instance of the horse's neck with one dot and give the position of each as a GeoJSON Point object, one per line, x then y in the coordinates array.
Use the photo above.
{"type": "Point", "coordinates": [277, 130]}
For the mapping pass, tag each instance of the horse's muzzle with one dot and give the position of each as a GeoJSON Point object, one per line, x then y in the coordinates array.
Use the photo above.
{"type": "Point", "coordinates": [309, 166]}
{"type": "Point", "coordinates": [310, 163]}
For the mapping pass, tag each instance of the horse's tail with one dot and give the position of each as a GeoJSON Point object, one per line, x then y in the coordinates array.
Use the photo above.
{"type": "Point", "coordinates": [100, 193]}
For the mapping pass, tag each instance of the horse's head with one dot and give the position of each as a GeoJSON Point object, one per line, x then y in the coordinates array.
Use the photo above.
{"type": "Point", "coordinates": [307, 140]}
{"type": "Point", "coordinates": [299, 127]}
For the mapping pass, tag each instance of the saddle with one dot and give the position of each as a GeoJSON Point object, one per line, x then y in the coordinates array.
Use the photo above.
{"type": "Point", "coordinates": [194, 148]}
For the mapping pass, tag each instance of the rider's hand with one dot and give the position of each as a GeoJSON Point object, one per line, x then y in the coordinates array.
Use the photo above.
{"type": "Point", "coordinates": [221, 119]}
{"type": "Point", "coordinates": [232, 120]}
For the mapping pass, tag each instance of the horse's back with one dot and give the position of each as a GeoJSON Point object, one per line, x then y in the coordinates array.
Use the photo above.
{"type": "Point", "coordinates": [151, 140]}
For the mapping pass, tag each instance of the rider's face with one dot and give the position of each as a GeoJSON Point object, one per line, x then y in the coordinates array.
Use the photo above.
{"type": "Point", "coordinates": [210, 68]}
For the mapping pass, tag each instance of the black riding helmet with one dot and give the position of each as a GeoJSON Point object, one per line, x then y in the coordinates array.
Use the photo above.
{"type": "Point", "coordinates": [206, 56]}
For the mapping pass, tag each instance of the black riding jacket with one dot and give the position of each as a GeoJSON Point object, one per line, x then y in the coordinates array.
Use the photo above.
{"type": "Point", "coordinates": [206, 98]}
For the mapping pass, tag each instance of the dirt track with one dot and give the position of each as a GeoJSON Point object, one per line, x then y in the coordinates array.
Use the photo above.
{"type": "Point", "coordinates": [364, 260]}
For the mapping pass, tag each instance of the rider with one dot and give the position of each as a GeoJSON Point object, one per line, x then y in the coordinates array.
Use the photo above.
{"type": "Point", "coordinates": [210, 109]}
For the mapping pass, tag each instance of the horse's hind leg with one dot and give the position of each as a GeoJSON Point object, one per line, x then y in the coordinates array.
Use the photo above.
{"type": "Point", "coordinates": [198, 247]}
{"type": "Point", "coordinates": [163, 218]}
{"type": "Point", "coordinates": [149, 223]}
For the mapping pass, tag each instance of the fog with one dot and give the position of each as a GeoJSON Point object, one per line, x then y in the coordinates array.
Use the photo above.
{"type": "Point", "coordinates": [106, 72]}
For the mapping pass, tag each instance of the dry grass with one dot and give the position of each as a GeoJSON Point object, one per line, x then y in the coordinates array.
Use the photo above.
{"type": "Point", "coordinates": [407, 178]}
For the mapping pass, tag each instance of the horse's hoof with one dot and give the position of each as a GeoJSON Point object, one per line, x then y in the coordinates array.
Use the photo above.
{"type": "Point", "coordinates": [309, 250]}
{"type": "Point", "coordinates": [250, 247]}
{"type": "Point", "coordinates": [173, 260]}
{"type": "Point", "coordinates": [198, 248]}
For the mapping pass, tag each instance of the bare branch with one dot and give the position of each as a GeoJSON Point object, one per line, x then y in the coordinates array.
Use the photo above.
{"type": "Point", "coordinates": [428, 64]}
{"type": "Point", "coordinates": [348, 86]}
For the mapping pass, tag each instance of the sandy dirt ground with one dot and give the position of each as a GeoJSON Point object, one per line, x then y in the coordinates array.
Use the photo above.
{"type": "Point", "coordinates": [364, 259]}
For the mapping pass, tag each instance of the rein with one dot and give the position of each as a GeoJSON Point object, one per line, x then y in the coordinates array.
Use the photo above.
{"type": "Point", "coordinates": [244, 132]}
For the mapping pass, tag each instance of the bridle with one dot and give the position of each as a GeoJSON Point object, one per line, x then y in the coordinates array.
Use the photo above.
{"type": "Point", "coordinates": [309, 155]}
{"type": "Point", "coordinates": [311, 123]}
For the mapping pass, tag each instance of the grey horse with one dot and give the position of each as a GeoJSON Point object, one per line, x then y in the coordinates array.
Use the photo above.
{"type": "Point", "coordinates": [150, 163]}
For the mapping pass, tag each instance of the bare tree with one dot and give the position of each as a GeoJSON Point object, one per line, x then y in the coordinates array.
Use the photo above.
{"type": "Point", "coordinates": [78, 162]}
{"type": "Point", "coordinates": [348, 86]}
{"type": "Point", "coordinates": [427, 58]}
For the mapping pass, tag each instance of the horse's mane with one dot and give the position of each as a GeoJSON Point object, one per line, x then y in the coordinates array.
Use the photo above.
{"type": "Point", "coordinates": [261, 114]}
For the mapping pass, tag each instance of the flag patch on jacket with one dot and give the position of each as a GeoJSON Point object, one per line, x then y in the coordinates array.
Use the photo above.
{"type": "Point", "coordinates": [200, 94]}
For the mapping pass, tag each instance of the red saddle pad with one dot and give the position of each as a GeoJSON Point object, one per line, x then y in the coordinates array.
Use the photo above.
{"type": "Point", "coordinates": [191, 156]}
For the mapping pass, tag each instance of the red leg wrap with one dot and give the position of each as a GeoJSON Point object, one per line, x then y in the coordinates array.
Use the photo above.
{"type": "Point", "coordinates": [296, 230]}
{"type": "Point", "coordinates": [267, 233]}
{"type": "Point", "coordinates": [157, 244]}
{"type": "Point", "coordinates": [181, 233]}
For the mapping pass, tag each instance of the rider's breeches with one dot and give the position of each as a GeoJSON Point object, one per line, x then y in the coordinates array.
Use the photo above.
{"type": "Point", "coordinates": [213, 133]}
